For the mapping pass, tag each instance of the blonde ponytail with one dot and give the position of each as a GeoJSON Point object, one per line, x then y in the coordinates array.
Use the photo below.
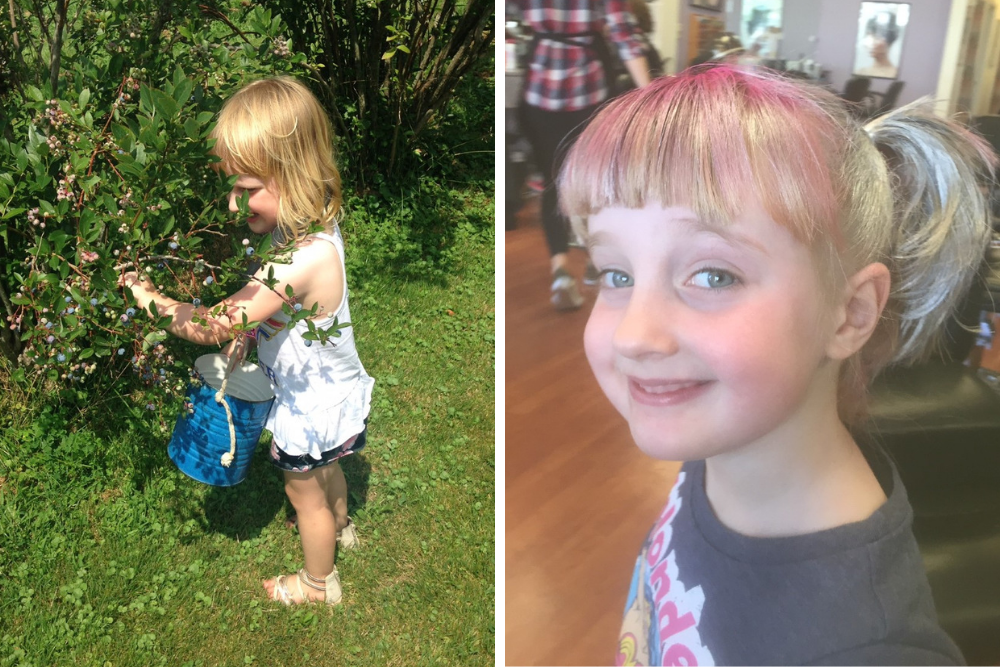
{"type": "Point", "coordinates": [941, 220]}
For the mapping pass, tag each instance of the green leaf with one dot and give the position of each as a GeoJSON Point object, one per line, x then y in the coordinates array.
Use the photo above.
{"type": "Point", "coordinates": [192, 128]}
{"type": "Point", "coordinates": [152, 338]}
{"type": "Point", "coordinates": [183, 91]}
{"type": "Point", "coordinates": [403, 48]}
{"type": "Point", "coordinates": [388, 54]}
{"type": "Point", "coordinates": [153, 310]}
{"type": "Point", "coordinates": [34, 93]}
{"type": "Point", "coordinates": [84, 97]}
{"type": "Point", "coordinates": [86, 353]}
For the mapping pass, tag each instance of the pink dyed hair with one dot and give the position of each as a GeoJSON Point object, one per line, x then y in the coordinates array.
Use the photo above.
{"type": "Point", "coordinates": [712, 139]}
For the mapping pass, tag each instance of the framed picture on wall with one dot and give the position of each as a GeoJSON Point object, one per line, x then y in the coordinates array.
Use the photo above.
{"type": "Point", "coordinates": [881, 28]}
{"type": "Point", "coordinates": [714, 5]}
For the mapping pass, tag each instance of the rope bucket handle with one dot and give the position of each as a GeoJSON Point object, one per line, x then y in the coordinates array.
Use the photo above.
{"type": "Point", "coordinates": [220, 398]}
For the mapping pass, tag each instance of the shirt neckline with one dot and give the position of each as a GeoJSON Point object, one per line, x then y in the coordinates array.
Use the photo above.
{"type": "Point", "coordinates": [894, 515]}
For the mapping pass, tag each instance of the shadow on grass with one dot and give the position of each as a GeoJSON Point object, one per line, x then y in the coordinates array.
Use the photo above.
{"type": "Point", "coordinates": [242, 511]}
{"type": "Point", "coordinates": [357, 470]}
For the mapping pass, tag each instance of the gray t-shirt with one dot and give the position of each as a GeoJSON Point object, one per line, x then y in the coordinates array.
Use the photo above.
{"type": "Point", "coordinates": [852, 595]}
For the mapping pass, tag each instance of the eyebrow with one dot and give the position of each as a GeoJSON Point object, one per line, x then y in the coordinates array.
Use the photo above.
{"type": "Point", "coordinates": [728, 235]}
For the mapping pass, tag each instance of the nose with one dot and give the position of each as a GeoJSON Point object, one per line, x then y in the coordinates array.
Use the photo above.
{"type": "Point", "coordinates": [648, 327]}
{"type": "Point", "coordinates": [233, 208]}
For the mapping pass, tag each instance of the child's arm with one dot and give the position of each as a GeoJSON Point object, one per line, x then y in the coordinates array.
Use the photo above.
{"type": "Point", "coordinates": [255, 301]}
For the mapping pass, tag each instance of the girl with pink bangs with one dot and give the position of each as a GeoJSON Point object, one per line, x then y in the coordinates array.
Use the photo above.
{"type": "Point", "coordinates": [762, 257]}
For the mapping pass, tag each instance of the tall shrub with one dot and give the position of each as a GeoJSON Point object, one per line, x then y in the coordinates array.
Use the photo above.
{"type": "Point", "coordinates": [386, 68]}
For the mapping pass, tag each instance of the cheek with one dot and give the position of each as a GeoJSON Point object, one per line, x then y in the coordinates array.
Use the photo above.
{"type": "Point", "coordinates": [598, 344]}
{"type": "Point", "coordinates": [771, 358]}
{"type": "Point", "coordinates": [597, 339]}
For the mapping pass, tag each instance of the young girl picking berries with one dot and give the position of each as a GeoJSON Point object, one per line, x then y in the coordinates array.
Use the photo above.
{"type": "Point", "coordinates": [275, 137]}
{"type": "Point", "coordinates": [762, 256]}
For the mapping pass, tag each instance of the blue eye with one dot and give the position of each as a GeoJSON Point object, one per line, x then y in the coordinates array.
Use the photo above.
{"type": "Point", "coordinates": [614, 279]}
{"type": "Point", "coordinates": [714, 279]}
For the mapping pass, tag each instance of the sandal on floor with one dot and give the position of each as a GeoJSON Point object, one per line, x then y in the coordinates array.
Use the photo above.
{"type": "Point", "coordinates": [330, 586]}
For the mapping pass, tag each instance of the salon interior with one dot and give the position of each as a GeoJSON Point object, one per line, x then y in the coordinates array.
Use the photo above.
{"type": "Point", "coordinates": [569, 551]}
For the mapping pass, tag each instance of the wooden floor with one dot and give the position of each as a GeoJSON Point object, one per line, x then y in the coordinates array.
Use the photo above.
{"type": "Point", "coordinates": [580, 497]}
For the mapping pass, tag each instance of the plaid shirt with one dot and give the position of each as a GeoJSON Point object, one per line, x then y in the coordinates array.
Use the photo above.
{"type": "Point", "coordinates": [565, 77]}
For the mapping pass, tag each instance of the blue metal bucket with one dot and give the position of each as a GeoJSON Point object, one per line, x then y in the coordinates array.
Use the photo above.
{"type": "Point", "coordinates": [201, 441]}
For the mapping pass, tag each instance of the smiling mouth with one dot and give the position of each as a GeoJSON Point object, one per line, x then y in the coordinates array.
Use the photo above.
{"type": "Point", "coordinates": [666, 392]}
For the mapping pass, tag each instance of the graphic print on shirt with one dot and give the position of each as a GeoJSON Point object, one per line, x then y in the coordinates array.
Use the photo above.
{"type": "Point", "coordinates": [661, 619]}
{"type": "Point", "coordinates": [270, 328]}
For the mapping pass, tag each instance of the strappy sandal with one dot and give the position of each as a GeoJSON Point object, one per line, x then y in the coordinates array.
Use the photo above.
{"type": "Point", "coordinates": [330, 586]}
{"type": "Point", "coordinates": [348, 537]}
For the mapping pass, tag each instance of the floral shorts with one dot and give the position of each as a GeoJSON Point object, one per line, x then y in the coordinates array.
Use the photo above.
{"type": "Point", "coordinates": [305, 463]}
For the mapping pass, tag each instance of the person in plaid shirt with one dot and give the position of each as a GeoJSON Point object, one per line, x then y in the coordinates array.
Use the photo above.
{"type": "Point", "coordinates": [566, 82]}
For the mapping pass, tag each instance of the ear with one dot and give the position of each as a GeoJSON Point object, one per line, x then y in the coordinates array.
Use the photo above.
{"type": "Point", "coordinates": [860, 310]}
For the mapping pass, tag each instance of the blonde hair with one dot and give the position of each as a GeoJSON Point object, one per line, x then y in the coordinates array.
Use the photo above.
{"type": "Point", "coordinates": [902, 191]}
{"type": "Point", "coordinates": [276, 130]}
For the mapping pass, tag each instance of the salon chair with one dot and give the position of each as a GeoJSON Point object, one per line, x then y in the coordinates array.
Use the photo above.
{"type": "Point", "coordinates": [854, 94]}
{"type": "Point", "coordinates": [877, 103]}
{"type": "Point", "coordinates": [940, 423]}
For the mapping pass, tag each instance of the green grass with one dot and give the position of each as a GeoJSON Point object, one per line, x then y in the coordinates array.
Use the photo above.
{"type": "Point", "coordinates": [110, 556]}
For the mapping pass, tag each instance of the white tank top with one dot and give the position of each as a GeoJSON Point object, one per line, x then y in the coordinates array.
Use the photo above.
{"type": "Point", "coordinates": [322, 392]}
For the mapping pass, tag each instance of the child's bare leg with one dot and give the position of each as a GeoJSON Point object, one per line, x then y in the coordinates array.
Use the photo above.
{"type": "Point", "coordinates": [317, 526]}
{"type": "Point", "coordinates": [336, 494]}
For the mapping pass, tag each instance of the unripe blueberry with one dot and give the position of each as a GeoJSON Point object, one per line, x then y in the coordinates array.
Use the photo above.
{"type": "Point", "coordinates": [50, 339]}
{"type": "Point", "coordinates": [124, 319]}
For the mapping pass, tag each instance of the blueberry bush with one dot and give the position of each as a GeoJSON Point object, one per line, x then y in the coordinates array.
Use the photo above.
{"type": "Point", "coordinates": [105, 167]}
